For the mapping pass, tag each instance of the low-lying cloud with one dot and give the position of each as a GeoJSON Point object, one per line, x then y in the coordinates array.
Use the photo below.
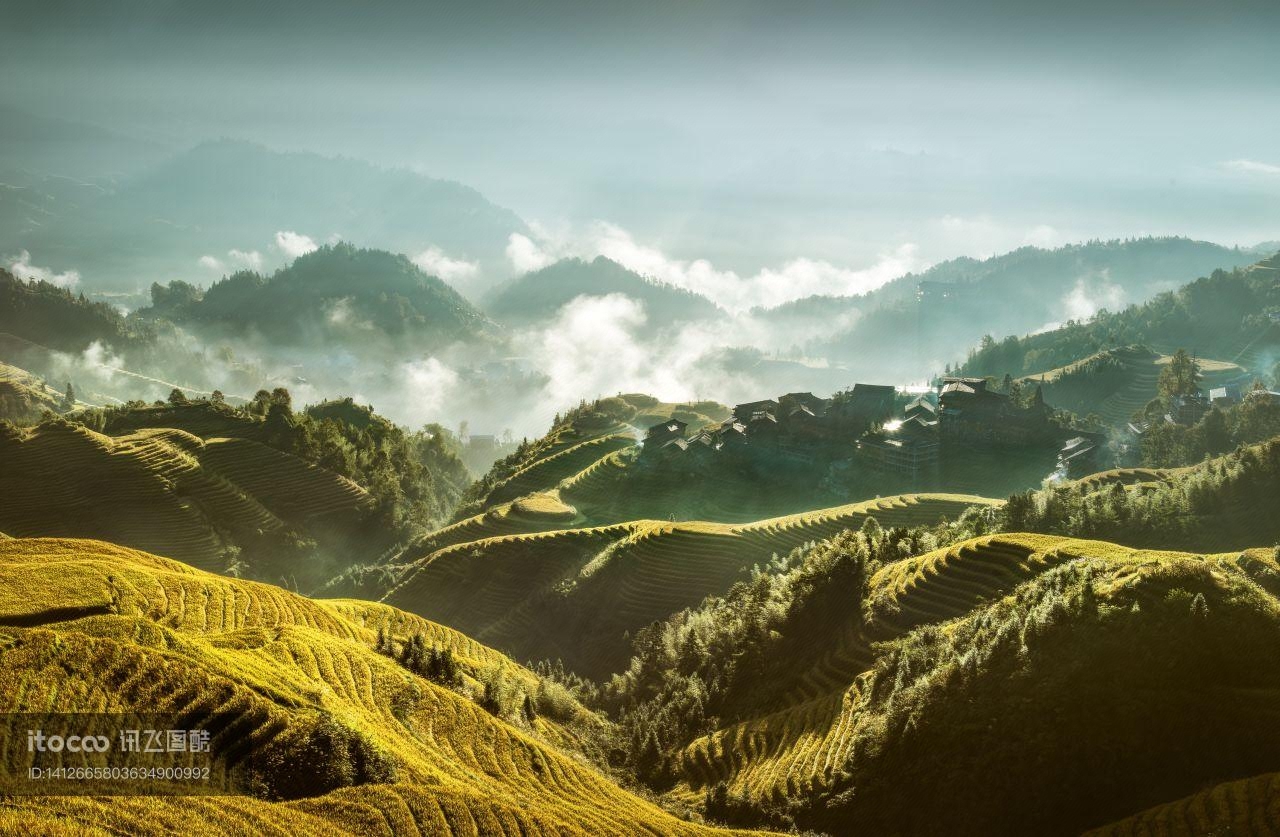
{"type": "Point", "coordinates": [294, 244]}
{"type": "Point", "coordinates": [251, 259]}
{"type": "Point", "coordinates": [434, 261]}
{"type": "Point", "coordinates": [767, 288]}
{"type": "Point", "coordinates": [22, 268]}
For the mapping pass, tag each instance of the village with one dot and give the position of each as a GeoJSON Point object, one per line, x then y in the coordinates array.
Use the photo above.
{"type": "Point", "coordinates": [875, 427]}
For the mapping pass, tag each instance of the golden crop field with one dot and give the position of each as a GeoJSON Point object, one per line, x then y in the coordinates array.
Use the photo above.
{"type": "Point", "coordinates": [87, 626]}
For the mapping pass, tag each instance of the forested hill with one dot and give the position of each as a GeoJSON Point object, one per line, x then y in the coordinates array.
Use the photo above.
{"type": "Point", "coordinates": [923, 319]}
{"type": "Point", "coordinates": [539, 295]}
{"type": "Point", "coordinates": [44, 313]}
{"type": "Point", "coordinates": [339, 293]}
{"type": "Point", "coordinates": [814, 693]}
{"type": "Point", "coordinates": [260, 490]}
{"type": "Point", "coordinates": [1227, 314]}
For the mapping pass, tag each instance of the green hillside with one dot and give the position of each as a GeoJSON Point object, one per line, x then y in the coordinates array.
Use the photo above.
{"type": "Point", "coordinates": [44, 313]}
{"type": "Point", "coordinates": [1114, 384]}
{"type": "Point", "coordinates": [220, 504]}
{"type": "Point", "coordinates": [537, 296]}
{"type": "Point", "coordinates": [1223, 503]}
{"type": "Point", "coordinates": [337, 293]}
{"type": "Point", "coordinates": [24, 398]}
{"type": "Point", "coordinates": [1245, 806]}
{"type": "Point", "coordinates": [575, 594]}
{"type": "Point", "coordinates": [582, 447]}
{"type": "Point", "coordinates": [944, 668]}
{"type": "Point", "coordinates": [905, 331]}
{"type": "Point", "coordinates": [283, 680]}
{"type": "Point", "coordinates": [1225, 315]}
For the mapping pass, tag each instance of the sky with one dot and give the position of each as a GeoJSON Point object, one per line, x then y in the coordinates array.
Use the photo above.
{"type": "Point", "coordinates": [744, 134]}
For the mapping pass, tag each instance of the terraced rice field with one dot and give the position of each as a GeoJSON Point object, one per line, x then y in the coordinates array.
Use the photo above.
{"type": "Point", "coordinates": [89, 626]}
{"type": "Point", "coordinates": [614, 579]}
{"type": "Point", "coordinates": [19, 387]}
{"type": "Point", "coordinates": [204, 420]}
{"type": "Point", "coordinates": [1127, 476]}
{"type": "Point", "coordinates": [1246, 806]}
{"type": "Point", "coordinates": [947, 583]}
{"type": "Point", "coordinates": [800, 747]}
{"type": "Point", "coordinates": [1140, 383]}
{"type": "Point", "coordinates": [546, 473]}
{"type": "Point", "coordinates": [160, 489]}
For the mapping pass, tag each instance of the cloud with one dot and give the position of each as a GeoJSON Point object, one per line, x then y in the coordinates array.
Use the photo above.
{"type": "Point", "coordinates": [211, 262]}
{"type": "Point", "coordinates": [525, 255]}
{"type": "Point", "coordinates": [22, 268]}
{"type": "Point", "coordinates": [1088, 297]}
{"type": "Point", "coordinates": [251, 259]}
{"type": "Point", "coordinates": [294, 244]}
{"type": "Point", "coordinates": [434, 261]}
{"type": "Point", "coordinates": [1251, 167]}
{"type": "Point", "coordinates": [767, 288]}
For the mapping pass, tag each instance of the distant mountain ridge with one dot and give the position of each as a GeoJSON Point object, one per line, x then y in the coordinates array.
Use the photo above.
{"type": "Point", "coordinates": [234, 195]}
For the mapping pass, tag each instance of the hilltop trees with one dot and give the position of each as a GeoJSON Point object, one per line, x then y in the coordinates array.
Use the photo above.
{"type": "Point", "coordinates": [1181, 376]}
{"type": "Point", "coordinates": [1203, 508]}
{"type": "Point", "coordinates": [1166, 445]}
{"type": "Point", "coordinates": [734, 656]}
{"type": "Point", "coordinates": [52, 316]}
{"type": "Point", "coordinates": [336, 293]}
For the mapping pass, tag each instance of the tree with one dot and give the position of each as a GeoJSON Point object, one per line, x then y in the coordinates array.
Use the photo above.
{"type": "Point", "coordinates": [1181, 376]}
{"type": "Point", "coordinates": [1215, 436]}
{"type": "Point", "coordinates": [178, 398]}
{"type": "Point", "coordinates": [69, 400]}
{"type": "Point", "coordinates": [280, 397]}
{"type": "Point", "coordinates": [527, 709]}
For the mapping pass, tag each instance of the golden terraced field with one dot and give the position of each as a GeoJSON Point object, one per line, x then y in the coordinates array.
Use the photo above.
{"type": "Point", "coordinates": [801, 749]}
{"type": "Point", "coordinates": [89, 626]}
{"type": "Point", "coordinates": [574, 593]}
{"type": "Point", "coordinates": [163, 490]}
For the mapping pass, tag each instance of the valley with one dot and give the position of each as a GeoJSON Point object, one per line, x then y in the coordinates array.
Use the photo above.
{"type": "Point", "coordinates": [566, 419]}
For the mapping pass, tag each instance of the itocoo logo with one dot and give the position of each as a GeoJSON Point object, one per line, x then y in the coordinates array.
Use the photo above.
{"type": "Point", "coordinates": [38, 742]}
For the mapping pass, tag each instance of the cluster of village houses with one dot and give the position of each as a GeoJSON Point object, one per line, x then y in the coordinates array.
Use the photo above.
{"type": "Point", "coordinates": [864, 422]}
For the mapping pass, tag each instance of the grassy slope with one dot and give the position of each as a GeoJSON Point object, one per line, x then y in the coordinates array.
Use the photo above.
{"type": "Point", "coordinates": [1245, 806]}
{"type": "Point", "coordinates": [90, 626]}
{"type": "Point", "coordinates": [575, 593]}
{"type": "Point", "coordinates": [821, 745]}
{"type": "Point", "coordinates": [164, 490]}
{"type": "Point", "coordinates": [1137, 387]}
{"type": "Point", "coordinates": [24, 397]}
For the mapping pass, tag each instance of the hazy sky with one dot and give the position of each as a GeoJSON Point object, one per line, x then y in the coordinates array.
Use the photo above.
{"type": "Point", "coordinates": [744, 132]}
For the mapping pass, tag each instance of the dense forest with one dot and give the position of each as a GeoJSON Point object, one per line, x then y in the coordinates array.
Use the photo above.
{"type": "Point", "coordinates": [44, 313]}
